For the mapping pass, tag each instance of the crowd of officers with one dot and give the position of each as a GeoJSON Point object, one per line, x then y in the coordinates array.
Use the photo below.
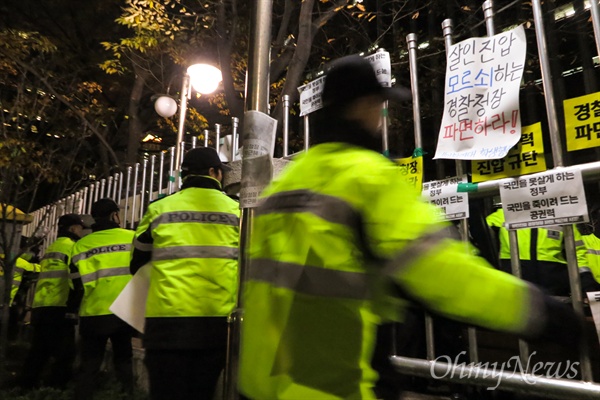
{"type": "Point", "coordinates": [340, 244]}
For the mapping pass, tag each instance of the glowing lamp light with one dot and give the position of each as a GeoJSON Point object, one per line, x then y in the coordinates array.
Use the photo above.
{"type": "Point", "coordinates": [165, 106]}
{"type": "Point", "coordinates": [204, 78]}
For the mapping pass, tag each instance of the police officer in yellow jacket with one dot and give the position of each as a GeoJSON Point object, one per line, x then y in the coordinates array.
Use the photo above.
{"type": "Point", "coordinates": [100, 270]}
{"type": "Point", "coordinates": [190, 239]}
{"type": "Point", "coordinates": [336, 237]}
{"type": "Point", "coordinates": [53, 334]}
{"type": "Point", "coordinates": [542, 256]}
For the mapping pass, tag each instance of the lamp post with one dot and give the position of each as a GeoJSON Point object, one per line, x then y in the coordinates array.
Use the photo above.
{"type": "Point", "coordinates": [204, 79]}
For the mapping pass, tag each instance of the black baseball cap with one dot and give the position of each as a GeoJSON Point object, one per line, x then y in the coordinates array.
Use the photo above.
{"type": "Point", "coordinates": [352, 77]}
{"type": "Point", "coordinates": [68, 220]}
{"type": "Point", "coordinates": [201, 159]}
{"type": "Point", "coordinates": [103, 208]}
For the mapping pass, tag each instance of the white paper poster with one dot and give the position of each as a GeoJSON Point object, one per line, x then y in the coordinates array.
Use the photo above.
{"type": "Point", "coordinates": [444, 194]}
{"type": "Point", "coordinates": [545, 199]}
{"type": "Point", "coordinates": [310, 94]}
{"type": "Point", "coordinates": [481, 103]}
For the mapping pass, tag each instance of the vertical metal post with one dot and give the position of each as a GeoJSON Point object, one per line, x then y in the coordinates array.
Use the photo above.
{"type": "Point", "coordinates": [218, 138]}
{"type": "Point", "coordinates": [134, 195]}
{"type": "Point", "coordinates": [161, 170]}
{"type": "Point", "coordinates": [127, 186]}
{"type": "Point", "coordinates": [178, 174]}
{"type": "Point", "coordinates": [235, 140]}
{"type": "Point", "coordinates": [306, 133]}
{"type": "Point", "coordinates": [117, 187]}
{"type": "Point", "coordinates": [109, 187]}
{"type": "Point", "coordinates": [594, 9]}
{"type": "Point", "coordinates": [206, 137]}
{"type": "Point", "coordinates": [143, 189]}
{"type": "Point", "coordinates": [151, 184]}
{"type": "Point", "coordinates": [515, 260]}
{"type": "Point", "coordinates": [194, 141]}
{"type": "Point", "coordinates": [102, 187]}
{"type": "Point", "coordinates": [286, 121]}
{"type": "Point", "coordinates": [488, 14]}
{"type": "Point", "coordinates": [171, 167]}
{"type": "Point", "coordinates": [96, 191]}
{"type": "Point", "coordinates": [447, 29]}
{"type": "Point", "coordinates": [84, 200]}
{"type": "Point", "coordinates": [185, 94]}
{"type": "Point", "coordinates": [91, 197]}
{"type": "Point", "coordinates": [557, 155]}
{"type": "Point", "coordinates": [385, 143]}
{"type": "Point", "coordinates": [120, 195]}
{"type": "Point", "coordinates": [515, 265]}
{"type": "Point", "coordinates": [257, 100]}
{"type": "Point", "coordinates": [412, 42]}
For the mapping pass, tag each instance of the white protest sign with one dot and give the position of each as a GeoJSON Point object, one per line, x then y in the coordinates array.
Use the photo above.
{"type": "Point", "coordinates": [310, 94]}
{"type": "Point", "coordinates": [481, 103]}
{"type": "Point", "coordinates": [594, 298]}
{"type": "Point", "coordinates": [444, 194]}
{"type": "Point", "coordinates": [130, 305]}
{"type": "Point", "coordinates": [544, 199]}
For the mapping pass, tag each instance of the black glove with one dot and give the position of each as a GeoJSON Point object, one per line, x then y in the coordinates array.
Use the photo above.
{"type": "Point", "coordinates": [562, 325]}
{"type": "Point", "coordinates": [588, 283]}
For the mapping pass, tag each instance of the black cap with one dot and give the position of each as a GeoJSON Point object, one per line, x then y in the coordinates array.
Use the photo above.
{"type": "Point", "coordinates": [103, 208]}
{"type": "Point", "coordinates": [352, 77]}
{"type": "Point", "coordinates": [68, 220]}
{"type": "Point", "coordinates": [201, 159]}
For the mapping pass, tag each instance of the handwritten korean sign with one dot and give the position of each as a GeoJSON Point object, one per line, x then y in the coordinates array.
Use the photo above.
{"type": "Point", "coordinates": [310, 94]}
{"type": "Point", "coordinates": [549, 198]}
{"type": "Point", "coordinates": [444, 194]}
{"type": "Point", "coordinates": [481, 103]}
{"type": "Point", "coordinates": [527, 157]}
{"type": "Point", "coordinates": [582, 120]}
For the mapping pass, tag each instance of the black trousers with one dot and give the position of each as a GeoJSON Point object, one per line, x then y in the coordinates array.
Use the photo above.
{"type": "Point", "coordinates": [184, 374]}
{"type": "Point", "coordinates": [53, 341]}
{"type": "Point", "coordinates": [93, 349]}
{"type": "Point", "coordinates": [551, 277]}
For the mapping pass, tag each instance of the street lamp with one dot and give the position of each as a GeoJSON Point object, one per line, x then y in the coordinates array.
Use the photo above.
{"type": "Point", "coordinates": [204, 79]}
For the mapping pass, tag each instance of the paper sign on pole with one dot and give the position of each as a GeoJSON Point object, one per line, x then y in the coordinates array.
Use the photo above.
{"type": "Point", "coordinates": [444, 194]}
{"type": "Point", "coordinates": [257, 165]}
{"type": "Point", "coordinates": [481, 103]}
{"type": "Point", "coordinates": [582, 120]}
{"type": "Point", "coordinates": [412, 169]}
{"type": "Point", "coordinates": [594, 299]}
{"type": "Point", "coordinates": [544, 199]}
{"type": "Point", "coordinates": [310, 94]}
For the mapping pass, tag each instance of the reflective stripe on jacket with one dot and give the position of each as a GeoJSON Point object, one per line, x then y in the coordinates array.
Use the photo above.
{"type": "Point", "coordinates": [101, 261]}
{"type": "Point", "coordinates": [332, 233]}
{"type": "Point", "coordinates": [592, 243]}
{"type": "Point", "coordinates": [549, 242]}
{"type": "Point", "coordinates": [193, 237]}
{"type": "Point", "coordinates": [53, 285]}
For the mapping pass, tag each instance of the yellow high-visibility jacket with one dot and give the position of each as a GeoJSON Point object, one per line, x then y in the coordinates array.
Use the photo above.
{"type": "Point", "coordinates": [333, 233]}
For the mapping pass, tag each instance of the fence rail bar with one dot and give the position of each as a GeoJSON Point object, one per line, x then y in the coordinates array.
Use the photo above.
{"type": "Point", "coordinates": [551, 388]}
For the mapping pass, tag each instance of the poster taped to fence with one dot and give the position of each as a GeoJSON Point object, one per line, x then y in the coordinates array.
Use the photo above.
{"type": "Point", "coordinates": [481, 102]}
{"type": "Point", "coordinates": [310, 94]}
{"type": "Point", "coordinates": [549, 198]}
{"type": "Point", "coordinates": [582, 122]}
{"type": "Point", "coordinates": [451, 203]}
{"type": "Point", "coordinates": [130, 305]}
